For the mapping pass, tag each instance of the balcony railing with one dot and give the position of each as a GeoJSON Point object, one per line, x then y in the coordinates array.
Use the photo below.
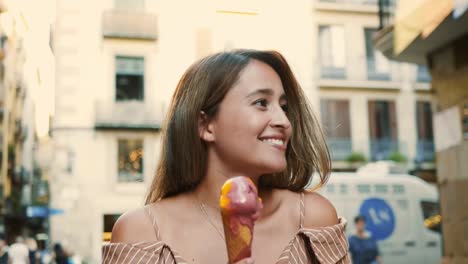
{"type": "Point", "coordinates": [360, 72]}
{"type": "Point", "coordinates": [339, 148]}
{"type": "Point", "coordinates": [425, 151]}
{"type": "Point", "coordinates": [130, 24]}
{"type": "Point", "coordinates": [358, 2]}
{"type": "Point", "coordinates": [387, 10]}
{"type": "Point", "coordinates": [127, 115]}
{"type": "Point", "coordinates": [381, 149]}
{"type": "Point", "coordinates": [423, 74]}
{"type": "Point", "coordinates": [374, 74]}
{"type": "Point", "coordinates": [330, 72]}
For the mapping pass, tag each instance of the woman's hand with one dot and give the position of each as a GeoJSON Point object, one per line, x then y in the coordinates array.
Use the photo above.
{"type": "Point", "coordinates": [246, 261]}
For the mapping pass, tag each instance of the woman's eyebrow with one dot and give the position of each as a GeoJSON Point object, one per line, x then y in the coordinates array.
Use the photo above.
{"type": "Point", "coordinates": [265, 91]}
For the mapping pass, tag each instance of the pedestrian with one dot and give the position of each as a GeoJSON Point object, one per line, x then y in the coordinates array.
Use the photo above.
{"type": "Point", "coordinates": [3, 250]}
{"type": "Point", "coordinates": [235, 113]}
{"type": "Point", "coordinates": [34, 254]}
{"type": "Point", "coordinates": [60, 255]}
{"type": "Point", "coordinates": [363, 248]}
{"type": "Point", "coordinates": [18, 252]}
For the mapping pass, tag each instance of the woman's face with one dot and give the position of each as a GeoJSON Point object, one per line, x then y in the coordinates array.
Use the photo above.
{"type": "Point", "coordinates": [250, 133]}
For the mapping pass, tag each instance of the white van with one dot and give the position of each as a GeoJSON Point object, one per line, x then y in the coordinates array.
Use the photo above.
{"type": "Point", "coordinates": [399, 211]}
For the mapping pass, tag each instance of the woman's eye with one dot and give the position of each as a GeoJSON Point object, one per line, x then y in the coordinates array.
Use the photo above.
{"type": "Point", "coordinates": [285, 108]}
{"type": "Point", "coordinates": [261, 102]}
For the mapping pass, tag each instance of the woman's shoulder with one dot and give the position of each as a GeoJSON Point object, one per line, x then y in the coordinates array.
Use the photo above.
{"type": "Point", "coordinates": [134, 226]}
{"type": "Point", "coordinates": [318, 211]}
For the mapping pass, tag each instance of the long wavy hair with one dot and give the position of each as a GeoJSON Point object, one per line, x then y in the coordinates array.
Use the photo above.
{"type": "Point", "coordinates": [183, 161]}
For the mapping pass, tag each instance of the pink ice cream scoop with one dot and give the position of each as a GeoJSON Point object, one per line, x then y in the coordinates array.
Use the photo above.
{"type": "Point", "coordinates": [240, 208]}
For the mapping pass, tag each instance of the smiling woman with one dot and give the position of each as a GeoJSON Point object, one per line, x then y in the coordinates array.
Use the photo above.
{"type": "Point", "coordinates": [239, 113]}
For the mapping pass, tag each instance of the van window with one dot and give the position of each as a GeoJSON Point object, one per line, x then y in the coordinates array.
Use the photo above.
{"type": "Point", "coordinates": [398, 189]}
{"type": "Point", "coordinates": [363, 188]}
{"type": "Point", "coordinates": [343, 188]}
{"type": "Point", "coordinates": [380, 188]}
{"type": "Point", "coordinates": [431, 214]}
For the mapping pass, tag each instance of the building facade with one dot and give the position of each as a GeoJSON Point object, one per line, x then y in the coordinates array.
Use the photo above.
{"type": "Point", "coordinates": [20, 80]}
{"type": "Point", "coordinates": [372, 108]}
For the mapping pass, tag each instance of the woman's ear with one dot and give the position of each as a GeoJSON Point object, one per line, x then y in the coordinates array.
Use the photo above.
{"type": "Point", "coordinates": [205, 128]}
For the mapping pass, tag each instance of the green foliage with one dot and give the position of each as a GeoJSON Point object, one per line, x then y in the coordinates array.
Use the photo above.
{"type": "Point", "coordinates": [397, 157]}
{"type": "Point", "coordinates": [356, 157]}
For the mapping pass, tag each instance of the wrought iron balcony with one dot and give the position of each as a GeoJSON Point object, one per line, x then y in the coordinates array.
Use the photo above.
{"type": "Point", "coordinates": [382, 149]}
{"type": "Point", "coordinates": [340, 148]}
{"type": "Point", "coordinates": [425, 151]}
{"type": "Point", "coordinates": [387, 10]}
{"type": "Point", "coordinates": [136, 115]}
{"type": "Point", "coordinates": [129, 24]}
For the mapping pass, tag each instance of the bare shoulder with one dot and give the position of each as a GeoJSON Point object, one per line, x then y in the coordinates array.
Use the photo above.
{"type": "Point", "coordinates": [132, 227]}
{"type": "Point", "coordinates": [319, 211]}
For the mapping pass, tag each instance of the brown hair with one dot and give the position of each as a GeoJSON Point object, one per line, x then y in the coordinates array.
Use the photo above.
{"type": "Point", "coordinates": [183, 161]}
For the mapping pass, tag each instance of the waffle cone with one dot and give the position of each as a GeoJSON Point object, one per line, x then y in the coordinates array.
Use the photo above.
{"type": "Point", "coordinates": [238, 245]}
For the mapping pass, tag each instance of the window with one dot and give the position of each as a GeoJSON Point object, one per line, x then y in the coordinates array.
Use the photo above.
{"type": "Point", "coordinates": [129, 79]}
{"type": "Point", "coordinates": [129, 4]}
{"type": "Point", "coordinates": [130, 160]}
{"type": "Point", "coordinates": [423, 74]}
{"type": "Point", "coordinates": [332, 52]}
{"type": "Point", "coordinates": [378, 66]}
{"type": "Point", "coordinates": [383, 129]}
{"type": "Point", "coordinates": [425, 144]}
{"type": "Point", "coordinates": [380, 188]}
{"type": "Point", "coordinates": [109, 221]}
{"type": "Point", "coordinates": [398, 189]}
{"type": "Point", "coordinates": [363, 188]}
{"type": "Point", "coordinates": [431, 214]}
{"type": "Point", "coordinates": [337, 127]}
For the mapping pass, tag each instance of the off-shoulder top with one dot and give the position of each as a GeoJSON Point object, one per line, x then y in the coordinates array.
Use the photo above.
{"type": "Point", "coordinates": [309, 245]}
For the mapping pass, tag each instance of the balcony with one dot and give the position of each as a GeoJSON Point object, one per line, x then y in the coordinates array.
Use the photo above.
{"type": "Point", "coordinates": [130, 115]}
{"type": "Point", "coordinates": [129, 24]}
{"type": "Point", "coordinates": [340, 148]}
{"type": "Point", "coordinates": [366, 6]}
{"type": "Point", "coordinates": [425, 151]}
{"type": "Point", "coordinates": [354, 2]}
{"type": "Point", "coordinates": [423, 74]}
{"type": "Point", "coordinates": [360, 72]}
{"type": "Point", "coordinates": [382, 149]}
{"type": "Point", "coordinates": [386, 13]}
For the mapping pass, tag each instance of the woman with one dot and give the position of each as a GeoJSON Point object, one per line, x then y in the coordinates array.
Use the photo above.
{"type": "Point", "coordinates": [235, 113]}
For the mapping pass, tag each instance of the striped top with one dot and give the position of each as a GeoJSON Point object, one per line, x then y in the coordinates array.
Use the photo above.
{"type": "Point", "coordinates": [309, 245]}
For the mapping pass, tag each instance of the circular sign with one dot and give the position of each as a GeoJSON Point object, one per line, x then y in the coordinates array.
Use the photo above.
{"type": "Point", "coordinates": [380, 219]}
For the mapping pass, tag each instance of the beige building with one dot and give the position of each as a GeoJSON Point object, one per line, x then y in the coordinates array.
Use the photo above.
{"type": "Point", "coordinates": [372, 108]}
{"type": "Point", "coordinates": [21, 78]}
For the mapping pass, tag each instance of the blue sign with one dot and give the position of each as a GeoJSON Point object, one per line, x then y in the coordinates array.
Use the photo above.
{"type": "Point", "coordinates": [380, 219]}
{"type": "Point", "coordinates": [42, 211]}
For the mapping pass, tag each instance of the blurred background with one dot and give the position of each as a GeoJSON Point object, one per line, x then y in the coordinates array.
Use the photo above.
{"type": "Point", "coordinates": [85, 85]}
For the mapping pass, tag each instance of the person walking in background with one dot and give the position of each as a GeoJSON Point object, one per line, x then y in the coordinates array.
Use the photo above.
{"type": "Point", "coordinates": [363, 248]}
{"type": "Point", "coordinates": [34, 254]}
{"type": "Point", "coordinates": [19, 253]}
{"type": "Point", "coordinates": [3, 250]}
{"type": "Point", "coordinates": [60, 256]}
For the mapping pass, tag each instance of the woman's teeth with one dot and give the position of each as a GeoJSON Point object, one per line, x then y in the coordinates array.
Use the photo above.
{"type": "Point", "coordinates": [273, 141]}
